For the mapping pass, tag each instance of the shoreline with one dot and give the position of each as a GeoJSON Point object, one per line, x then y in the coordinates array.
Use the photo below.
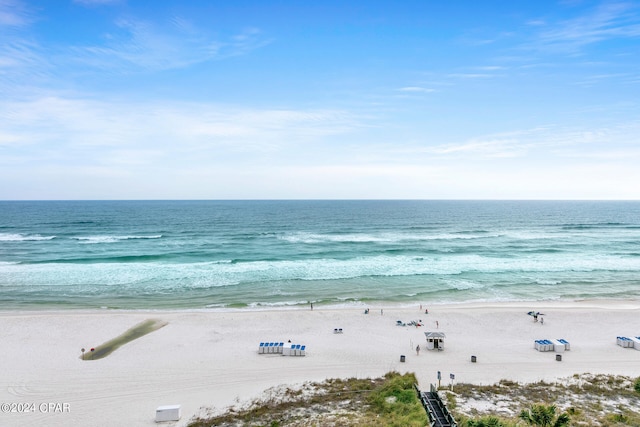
{"type": "Point", "coordinates": [618, 303]}
{"type": "Point", "coordinates": [209, 357]}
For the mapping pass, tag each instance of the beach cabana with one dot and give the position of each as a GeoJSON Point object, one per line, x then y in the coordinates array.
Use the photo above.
{"type": "Point", "coordinates": [435, 340]}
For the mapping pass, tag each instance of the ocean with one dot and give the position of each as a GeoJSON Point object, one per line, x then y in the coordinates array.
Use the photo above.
{"type": "Point", "coordinates": [264, 254]}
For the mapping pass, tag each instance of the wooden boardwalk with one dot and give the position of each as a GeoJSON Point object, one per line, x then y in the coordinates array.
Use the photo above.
{"type": "Point", "coordinates": [439, 415]}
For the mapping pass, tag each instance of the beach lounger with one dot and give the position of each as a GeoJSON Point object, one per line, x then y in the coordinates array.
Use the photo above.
{"type": "Point", "coordinates": [540, 345]}
{"type": "Point", "coordinates": [624, 342]}
{"type": "Point", "coordinates": [303, 350]}
{"type": "Point", "coordinates": [567, 346]}
{"type": "Point", "coordinates": [636, 343]}
{"type": "Point", "coordinates": [287, 350]}
{"type": "Point", "coordinates": [543, 345]}
{"type": "Point", "coordinates": [296, 350]}
{"type": "Point", "coordinates": [558, 346]}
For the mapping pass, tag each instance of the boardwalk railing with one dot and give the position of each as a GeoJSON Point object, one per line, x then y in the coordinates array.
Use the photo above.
{"type": "Point", "coordinates": [439, 415]}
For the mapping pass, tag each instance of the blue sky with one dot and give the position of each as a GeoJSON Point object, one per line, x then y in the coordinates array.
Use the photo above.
{"type": "Point", "coordinates": [334, 99]}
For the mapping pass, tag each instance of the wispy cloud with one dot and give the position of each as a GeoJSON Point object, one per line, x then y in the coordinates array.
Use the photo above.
{"type": "Point", "coordinates": [416, 89]}
{"type": "Point", "coordinates": [133, 46]}
{"type": "Point", "coordinates": [97, 2]}
{"type": "Point", "coordinates": [550, 142]}
{"type": "Point", "coordinates": [97, 129]}
{"type": "Point", "coordinates": [140, 45]}
{"type": "Point", "coordinates": [610, 20]}
{"type": "Point", "coordinates": [15, 13]}
{"type": "Point", "coordinates": [499, 146]}
{"type": "Point", "coordinates": [471, 75]}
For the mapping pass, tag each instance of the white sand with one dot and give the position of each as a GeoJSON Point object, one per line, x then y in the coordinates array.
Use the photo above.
{"type": "Point", "coordinates": [210, 359]}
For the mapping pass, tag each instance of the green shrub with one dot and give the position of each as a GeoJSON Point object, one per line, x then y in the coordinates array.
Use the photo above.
{"type": "Point", "coordinates": [489, 421]}
{"type": "Point", "coordinates": [636, 386]}
{"type": "Point", "coordinates": [617, 418]}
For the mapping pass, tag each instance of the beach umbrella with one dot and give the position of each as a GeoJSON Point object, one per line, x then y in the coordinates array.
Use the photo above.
{"type": "Point", "coordinates": [535, 313]}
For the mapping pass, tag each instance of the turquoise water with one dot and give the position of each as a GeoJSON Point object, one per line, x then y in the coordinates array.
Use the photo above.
{"type": "Point", "coordinates": [204, 254]}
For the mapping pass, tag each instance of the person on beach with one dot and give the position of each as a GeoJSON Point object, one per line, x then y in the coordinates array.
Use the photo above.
{"type": "Point", "coordinates": [542, 320]}
{"type": "Point", "coordinates": [418, 350]}
{"type": "Point", "coordinates": [437, 325]}
{"type": "Point", "coordinates": [311, 306]}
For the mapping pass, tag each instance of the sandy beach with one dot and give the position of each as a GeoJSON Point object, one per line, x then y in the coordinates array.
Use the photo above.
{"type": "Point", "coordinates": [208, 360]}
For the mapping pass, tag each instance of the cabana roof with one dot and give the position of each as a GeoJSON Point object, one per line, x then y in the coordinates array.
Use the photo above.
{"type": "Point", "coordinates": [434, 334]}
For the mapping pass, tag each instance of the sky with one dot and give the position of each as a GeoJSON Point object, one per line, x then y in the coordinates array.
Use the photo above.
{"type": "Point", "coordinates": [332, 99]}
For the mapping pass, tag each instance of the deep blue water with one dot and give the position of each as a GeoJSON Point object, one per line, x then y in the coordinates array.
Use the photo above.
{"type": "Point", "coordinates": [199, 254]}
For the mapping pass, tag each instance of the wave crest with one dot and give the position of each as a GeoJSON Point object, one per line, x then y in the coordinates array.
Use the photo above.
{"type": "Point", "coordinates": [17, 237]}
{"type": "Point", "coordinates": [112, 239]}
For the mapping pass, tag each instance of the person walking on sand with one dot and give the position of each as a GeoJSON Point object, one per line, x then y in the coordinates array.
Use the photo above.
{"type": "Point", "coordinates": [437, 325]}
{"type": "Point", "coordinates": [418, 350]}
{"type": "Point", "coordinates": [542, 320]}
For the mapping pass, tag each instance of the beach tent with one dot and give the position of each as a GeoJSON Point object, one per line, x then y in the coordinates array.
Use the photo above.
{"type": "Point", "coordinates": [435, 340]}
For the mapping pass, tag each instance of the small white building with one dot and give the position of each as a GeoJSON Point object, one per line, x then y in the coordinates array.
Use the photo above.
{"type": "Point", "coordinates": [435, 340]}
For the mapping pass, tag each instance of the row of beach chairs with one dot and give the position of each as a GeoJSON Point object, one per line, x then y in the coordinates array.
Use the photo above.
{"type": "Point", "coordinates": [271, 348]}
{"type": "Point", "coordinates": [633, 342]}
{"type": "Point", "coordinates": [558, 345]}
{"type": "Point", "coordinates": [296, 350]}
{"type": "Point", "coordinates": [282, 348]}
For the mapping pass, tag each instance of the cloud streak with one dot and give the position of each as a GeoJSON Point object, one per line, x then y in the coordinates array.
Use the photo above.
{"type": "Point", "coordinates": [138, 45]}
{"type": "Point", "coordinates": [607, 21]}
{"type": "Point", "coordinates": [14, 13]}
{"type": "Point", "coordinates": [92, 128]}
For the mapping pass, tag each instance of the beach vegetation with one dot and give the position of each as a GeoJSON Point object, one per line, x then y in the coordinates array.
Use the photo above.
{"type": "Point", "coordinates": [452, 403]}
{"type": "Point", "coordinates": [588, 399]}
{"type": "Point", "coordinates": [489, 421]}
{"type": "Point", "coordinates": [387, 401]}
{"type": "Point", "coordinates": [636, 385]}
{"type": "Point", "coordinates": [544, 416]}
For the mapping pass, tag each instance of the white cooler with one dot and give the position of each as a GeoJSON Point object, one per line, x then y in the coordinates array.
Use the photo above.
{"type": "Point", "coordinates": [168, 413]}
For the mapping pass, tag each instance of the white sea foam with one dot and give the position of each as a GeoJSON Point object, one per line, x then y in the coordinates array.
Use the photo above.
{"type": "Point", "coordinates": [16, 237]}
{"type": "Point", "coordinates": [382, 237]}
{"type": "Point", "coordinates": [286, 252]}
{"type": "Point", "coordinates": [159, 276]}
{"type": "Point", "coordinates": [112, 239]}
